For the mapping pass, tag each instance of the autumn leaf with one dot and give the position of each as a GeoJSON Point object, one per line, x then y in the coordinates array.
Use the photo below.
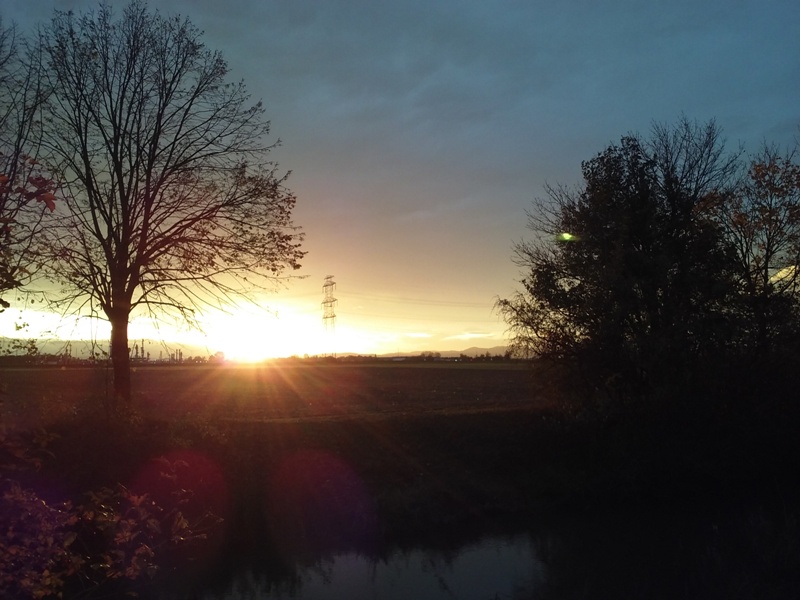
{"type": "Point", "coordinates": [38, 182]}
{"type": "Point", "coordinates": [49, 199]}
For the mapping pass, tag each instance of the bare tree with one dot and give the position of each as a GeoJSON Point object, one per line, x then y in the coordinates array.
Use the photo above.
{"type": "Point", "coordinates": [172, 203]}
{"type": "Point", "coordinates": [25, 187]}
{"type": "Point", "coordinates": [763, 221]}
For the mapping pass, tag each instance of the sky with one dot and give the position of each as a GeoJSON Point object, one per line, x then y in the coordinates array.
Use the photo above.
{"type": "Point", "coordinates": [418, 133]}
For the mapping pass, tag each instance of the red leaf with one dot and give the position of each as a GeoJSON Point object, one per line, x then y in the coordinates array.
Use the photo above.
{"type": "Point", "coordinates": [49, 199]}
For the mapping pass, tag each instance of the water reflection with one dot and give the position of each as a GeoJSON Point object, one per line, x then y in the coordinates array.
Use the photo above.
{"type": "Point", "coordinates": [493, 568]}
{"type": "Point", "coordinates": [733, 553]}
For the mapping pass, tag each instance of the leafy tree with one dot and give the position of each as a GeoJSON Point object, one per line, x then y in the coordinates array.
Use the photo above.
{"type": "Point", "coordinates": [26, 190]}
{"type": "Point", "coordinates": [173, 201]}
{"type": "Point", "coordinates": [629, 276]}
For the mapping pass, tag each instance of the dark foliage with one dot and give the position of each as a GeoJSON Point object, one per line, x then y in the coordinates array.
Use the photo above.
{"type": "Point", "coordinates": [656, 280]}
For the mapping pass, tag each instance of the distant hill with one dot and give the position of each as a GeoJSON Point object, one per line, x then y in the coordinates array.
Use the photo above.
{"type": "Point", "coordinates": [472, 351]}
{"type": "Point", "coordinates": [475, 351]}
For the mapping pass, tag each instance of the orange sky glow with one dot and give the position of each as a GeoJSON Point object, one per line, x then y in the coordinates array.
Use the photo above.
{"type": "Point", "coordinates": [418, 134]}
{"type": "Point", "coordinates": [288, 323]}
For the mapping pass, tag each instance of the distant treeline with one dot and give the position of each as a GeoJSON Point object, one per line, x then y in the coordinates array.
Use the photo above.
{"type": "Point", "coordinates": [61, 360]}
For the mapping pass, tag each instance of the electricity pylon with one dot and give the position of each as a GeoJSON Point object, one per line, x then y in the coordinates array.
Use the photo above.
{"type": "Point", "coordinates": [328, 305]}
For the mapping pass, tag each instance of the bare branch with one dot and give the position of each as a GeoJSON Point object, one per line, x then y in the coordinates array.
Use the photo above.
{"type": "Point", "coordinates": [174, 203]}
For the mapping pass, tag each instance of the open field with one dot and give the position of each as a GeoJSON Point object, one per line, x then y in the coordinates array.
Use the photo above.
{"type": "Point", "coordinates": [276, 391]}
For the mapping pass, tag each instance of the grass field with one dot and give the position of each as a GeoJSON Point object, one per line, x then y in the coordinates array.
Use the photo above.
{"type": "Point", "coordinates": [274, 391]}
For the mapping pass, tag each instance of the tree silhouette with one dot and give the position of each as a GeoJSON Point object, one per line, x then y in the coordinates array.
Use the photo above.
{"type": "Point", "coordinates": [26, 189]}
{"type": "Point", "coordinates": [763, 221]}
{"type": "Point", "coordinates": [172, 202]}
{"type": "Point", "coordinates": [629, 276]}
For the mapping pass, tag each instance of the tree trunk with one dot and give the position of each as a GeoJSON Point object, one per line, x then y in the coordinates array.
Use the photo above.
{"type": "Point", "coordinates": [120, 360]}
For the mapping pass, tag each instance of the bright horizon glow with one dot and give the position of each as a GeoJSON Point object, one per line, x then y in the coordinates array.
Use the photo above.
{"type": "Point", "coordinates": [246, 335]}
{"type": "Point", "coordinates": [252, 333]}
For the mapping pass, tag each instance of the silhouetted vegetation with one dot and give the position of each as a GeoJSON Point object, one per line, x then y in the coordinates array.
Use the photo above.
{"type": "Point", "coordinates": [173, 204]}
{"type": "Point", "coordinates": [660, 304]}
{"type": "Point", "coordinates": [26, 186]}
{"type": "Point", "coordinates": [668, 280]}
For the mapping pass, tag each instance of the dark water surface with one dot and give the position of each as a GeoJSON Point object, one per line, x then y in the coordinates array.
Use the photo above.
{"type": "Point", "coordinates": [494, 567]}
{"type": "Point", "coordinates": [625, 553]}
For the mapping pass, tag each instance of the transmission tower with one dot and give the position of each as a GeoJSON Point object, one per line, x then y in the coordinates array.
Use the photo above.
{"type": "Point", "coordinates": [328, 304]}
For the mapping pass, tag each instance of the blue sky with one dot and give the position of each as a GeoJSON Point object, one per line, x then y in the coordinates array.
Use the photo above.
{"type": "Point", "coordinates": [419, 132]}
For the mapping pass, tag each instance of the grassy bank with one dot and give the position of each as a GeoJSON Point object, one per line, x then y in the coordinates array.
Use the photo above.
{"type": "Point", "coordinates": [303, 460]}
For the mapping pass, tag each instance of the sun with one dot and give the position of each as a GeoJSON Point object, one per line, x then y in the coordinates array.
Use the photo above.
{"type": "Point", "coordinates": [254, 335]}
